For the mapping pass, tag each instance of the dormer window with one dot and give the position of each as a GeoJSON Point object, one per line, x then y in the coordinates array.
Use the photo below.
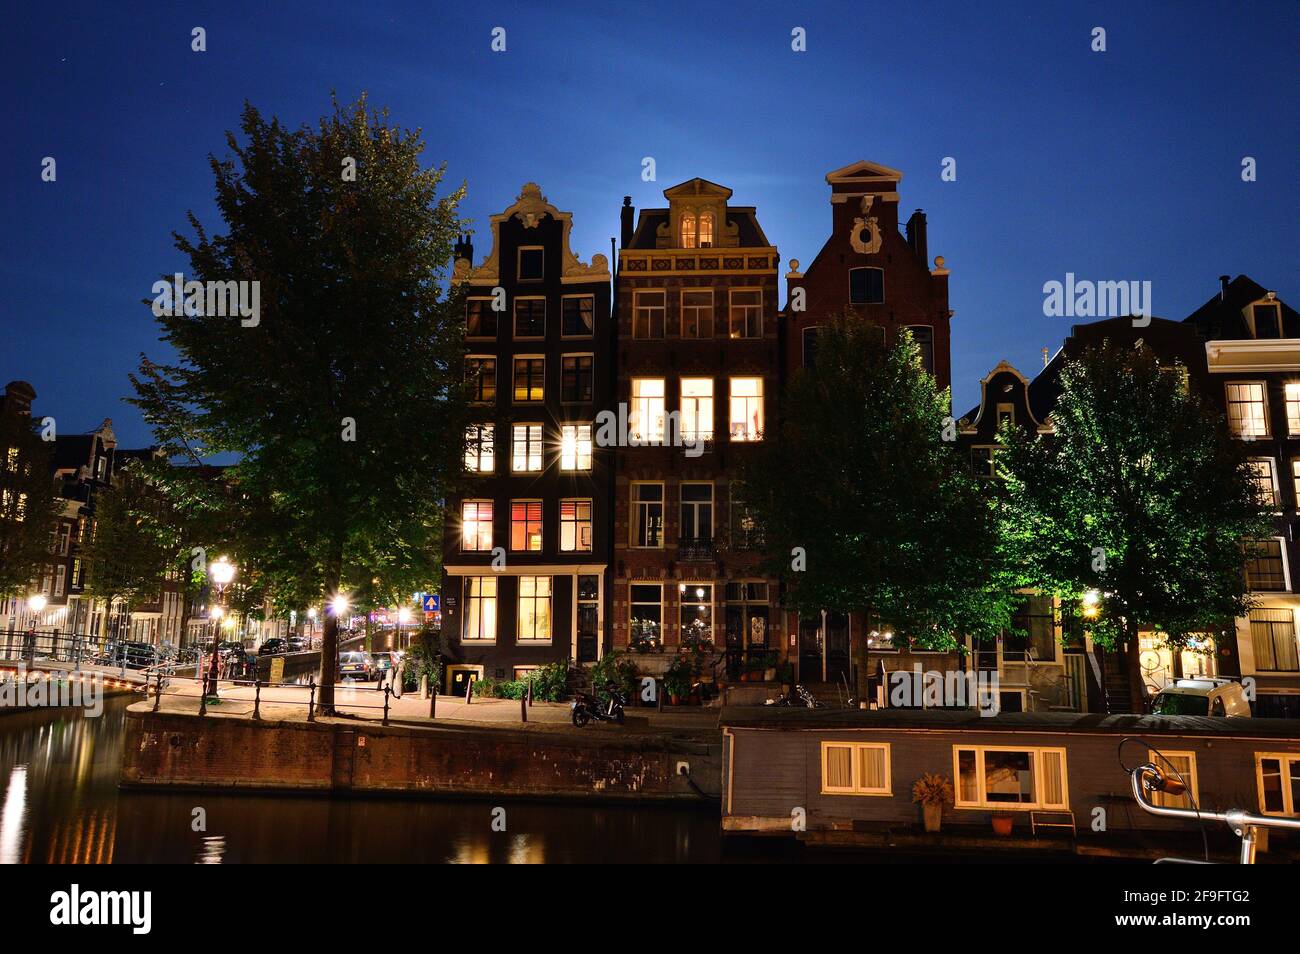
{"type": "Point", "coordinates": [706, 230]}
{"type": "Point", "coordinates": [1267, 319]}
{"type": "Point", "coordinates": [688, 230]}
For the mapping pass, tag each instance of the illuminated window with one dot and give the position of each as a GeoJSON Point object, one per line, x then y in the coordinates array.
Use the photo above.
{"type": "Point", "coordinates": [530, 379]}
{"type": "Point", "coordinates": [1273, 638]}
{"type": "Point", "coordinates": [646, 421]}
{"type": "Point", "coordinates": [646, 614]}
{"type": "Point", "coordinates": [1247, 410]}
{"type": "Point", "coordinates": [480, 615]}
{"type": "Point", "coordinates": [476, 525]}
{"type": "Point", "coordinates": [1007, 777]}
{"type": "Point", "coordinates": [648, 314]}
{"type": "Point", "coordinates": [746, 313]}
{"type": "Point", "coordinates": [479, 455]}
{"type": "Point", "coordinates": [1278, 775]}
{"type": "Point", "coordinates": [697, 313]}
{"type": "Point", "coordinates": [1265, 487]}
{"type": "Point", "coordinates": [688, 230]}
{"type": "Point", "coordinates": [706, 229]}
{"type": "Point", "coordinates": [1180, 765]}
{"type": "Point", "coordinates": [746, 422]}
{"type": "Point", "coordinates": [1293, 408]}
{"type": "Point", "coordinates": [697, 409]}
{"type": "Point", "coordinates": [575, 526]}
{"type": "Point", "coordinates": [695, 608]}
{"type": "Point", "coordinates": [855, 768]}
{"type": "Point", "coordinates": [1265, 567]}
{"type": "Point", "coordinates": [534, 608]}
{"type": "Point", "coordinates": [526, 526]}
{"type": "Point", "coordinates": [575, 447]}
{"type": "Point", "coordinates": [526, 448]}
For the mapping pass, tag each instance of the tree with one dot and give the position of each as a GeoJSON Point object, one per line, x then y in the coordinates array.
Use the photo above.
{"type": "Point", "coordinates": [889, 519]}
{"type": "Point", "coordinates": [29, 506]}
{"type": "Point", "coordinates": [1141, 496]}
{"type": "Point", "coordinates": [342, 401]}
{"type": "Point", "coordinates": [125, 559]}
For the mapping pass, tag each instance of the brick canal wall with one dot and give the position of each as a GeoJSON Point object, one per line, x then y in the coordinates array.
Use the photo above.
{"type": "Point", "coordinates": [168, 750]}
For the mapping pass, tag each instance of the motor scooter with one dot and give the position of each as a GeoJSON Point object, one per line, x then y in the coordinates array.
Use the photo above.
{"type": "Point", "coordinates": [587, 706]}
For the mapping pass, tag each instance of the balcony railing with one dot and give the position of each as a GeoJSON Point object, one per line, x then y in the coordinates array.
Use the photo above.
{"type": "Point", "coordinates": [696, 550]}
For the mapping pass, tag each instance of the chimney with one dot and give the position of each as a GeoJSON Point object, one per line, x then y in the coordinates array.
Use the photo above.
{"type": "Point", "coordinates": [916, 237]}
{"type": "Point", "coordinates": [18, 398]}
{"type": "Point", "coordinates": [625, 220]}
{"type": "Point", "coordinates": [464, 249]}
{"type": "Point", "coordinates": [1223, 288]}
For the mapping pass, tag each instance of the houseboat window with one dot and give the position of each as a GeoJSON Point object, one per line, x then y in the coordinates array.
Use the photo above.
{"type": "Point", "coordinates": [646, 600]}
{"type": "Point", "coordinates": [534, 608]}
{"type": "Point", "coordinates": [1184, 764]}
{"type": "Point", "coordinates": [1279, 783]}
{"type": "Point", "coordinates": [1004, 777]}
{"type": "Point", "coordinates": [1272, 634]}
{"type": "Point", "coordinates": [578, 316]}
{"type": "Point", "coordinates": [855, 768]}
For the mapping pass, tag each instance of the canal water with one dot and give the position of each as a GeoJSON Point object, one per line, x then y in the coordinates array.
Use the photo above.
{"type": "Point", "coordinates": [60, 802]}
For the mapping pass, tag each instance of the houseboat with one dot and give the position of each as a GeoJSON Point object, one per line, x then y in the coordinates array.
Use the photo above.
{"type": "Point", "coordinates": [1057, 780]}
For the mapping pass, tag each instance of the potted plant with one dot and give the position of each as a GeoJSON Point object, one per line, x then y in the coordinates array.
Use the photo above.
{"type": "Point", "coordinates": [677, 680]}
{"type": "Point", "coordinates": [932, 792]}
{"type": "Point", "coordinates": [1002, 825]}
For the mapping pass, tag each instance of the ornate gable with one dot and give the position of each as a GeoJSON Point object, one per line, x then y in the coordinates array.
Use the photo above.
{"type": "Point", "coordinates": [531, 207]}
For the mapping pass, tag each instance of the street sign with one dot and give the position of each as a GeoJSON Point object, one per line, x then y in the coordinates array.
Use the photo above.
{"type": "Point", "coordinates": [431, 603]}
{"type": "Point", "coordinates": [277, 669]}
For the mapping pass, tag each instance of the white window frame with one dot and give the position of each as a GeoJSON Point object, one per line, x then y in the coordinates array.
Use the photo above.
{"type": "Point", "coordinates": [983, 804]}
{"type": "Point", "coordinates": [748, 402]}
{"type": "Point", "coordinates": [637, 505]}
{"type": "Point", "coordinates": [485, 601]}
{"type": "Point", "coordinates": [465, 541]}
{"type": "Point", "coordinates": [578, 354]}
{"type": "Point", "coordinates": [589, 334]}
{"type": "Point", "coordinates": [1235, 426]}
{"type": "Point", "coordinates": [549, 598]}
{"type": "Point", "coordinates": [480, 448]}
{"type": "Point", "coordinates": [519, 263]}
{"type": "Point", "coordinates": [497, 314]}
{"type": "Point", "coordinates": [697, 412]}
{"type": "Point", "coordinates": [527, 523]}
{"type": "Point", "coordinates": [1290, 764]}
{"type": "Point", "coordinates": [529, 458]}
{"type": "Point", "coordinates": [576, 447]}
{"type": "Point", "coordinates": [753, 310]}
{"type": "Point", "coordinates": [647, 414]}
{"type": "Point", "coordinates": [855, 786]}
{"type": "Point", "coordinates": [650, 311]}
{"type": "Point", "coordinates": [695, 310]}
{"type": "Point", "coordinates": [514, 363]}
{"type": "Point", "coordinates": [1276, 489]}
{"type": "Point", "coordinates": [578, 524]}
{"type": "Point", "coordinates": [475, 399]}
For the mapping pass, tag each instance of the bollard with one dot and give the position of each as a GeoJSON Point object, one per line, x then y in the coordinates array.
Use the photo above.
{"type": "Point", "coordinates": [659, 695]}
{"type": "Point", "coordinates": [433, 699]}
{"type": "Point", "coordinates": [203, 697]}
{"type": "Point", "coordinates": [157, 691]}
{"type": "Point", "coordinates": [387, 692]}
{"type": "Point", "coordinates": [530, 692]}
{"type": "Point", "coordinates": [311, 705]}
{"type": "Point", "coordinates": [469, 691]}
{"type": "Point", "coordinates": [257, 699]}
{"type": "Point", "coordinates": [523, 708]}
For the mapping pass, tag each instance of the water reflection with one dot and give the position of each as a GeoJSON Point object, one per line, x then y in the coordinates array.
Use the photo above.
{"type": "Point", "coordinates": [59, 773]}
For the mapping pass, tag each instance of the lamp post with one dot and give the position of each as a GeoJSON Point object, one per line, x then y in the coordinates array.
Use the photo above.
{"type": "Point", "coordinates": [222, 572]}
{"type": "Point", "coordinates": [403, 617]}
{"type": "Point", "coordinates": [311, 632]}
{"type": "Point", "coordinates": [36, 603]}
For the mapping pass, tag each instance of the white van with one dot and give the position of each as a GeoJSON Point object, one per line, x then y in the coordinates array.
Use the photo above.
{"type": "Point", "coordinates": [1202, 696]}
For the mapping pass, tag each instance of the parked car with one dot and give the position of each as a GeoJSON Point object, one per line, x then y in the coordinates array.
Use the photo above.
{"type": "Point", "coordinates": [1202, 696]}
{"type": "Point", "coordinates": [353, 665]}
{"type": "Point", "coordinates": [274, 646]}
{"type": "Point", "coordinates": [381, 662]}
{"type": "Point", "coordinates": [297, 644]}
{"type": "Point", "coordinates": [136, 655]}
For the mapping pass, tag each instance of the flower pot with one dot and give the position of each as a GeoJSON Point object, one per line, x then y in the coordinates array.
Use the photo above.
{"type": "Point", "coordinates": [674, 700]}
{"type": "Point", "coordinates": [769, 675]}
{"type": "Point", "coordinates": [1002, 825]}
{"type": "Point", "coordinates": [933, 812]}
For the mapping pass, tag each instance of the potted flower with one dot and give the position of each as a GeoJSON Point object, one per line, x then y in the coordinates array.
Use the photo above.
{"type": "Point", "coordinates": [932, 792]}
{"type": "Point", "coordinates": [677, 680]}
{"type": "Point", "coordinates": [1002, 825]}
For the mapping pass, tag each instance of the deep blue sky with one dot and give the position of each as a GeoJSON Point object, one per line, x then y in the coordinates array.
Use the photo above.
{"type": "Point", "coordinates": [1116, 165]}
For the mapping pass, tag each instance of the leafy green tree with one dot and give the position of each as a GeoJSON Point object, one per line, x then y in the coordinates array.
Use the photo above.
{"type": "Point", "coordinates": [889, 519]}
{"type": "Point", "coordinates": [342, 403]}
{"type": "Point", "coordinates": [1141, 496]}
{"type": "Point", "coordinates": [29, 506]}
{"type": "Point", "coordinates": [125, 558]}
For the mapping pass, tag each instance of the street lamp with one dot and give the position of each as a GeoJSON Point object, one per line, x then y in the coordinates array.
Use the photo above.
{"type": "Point", "coordinates": [1091, 604]}
{"type": "Point", "coordinates": [37, 603]}
{"type": "Point", "coordinates": [403, 617]}
{"type": "Point", "coordinates": [222, 571]}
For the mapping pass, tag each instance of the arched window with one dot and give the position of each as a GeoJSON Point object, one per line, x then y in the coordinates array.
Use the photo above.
{"type": "Point", "coordinates": [688, 230]}
{"type": "Point", "coordinates": [706, 230]}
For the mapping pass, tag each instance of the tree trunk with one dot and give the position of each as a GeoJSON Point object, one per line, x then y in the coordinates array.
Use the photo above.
{"type": "Point", "coordinates": [329, 640]}
{"type": "Point", "coordinates": [1133, 660]}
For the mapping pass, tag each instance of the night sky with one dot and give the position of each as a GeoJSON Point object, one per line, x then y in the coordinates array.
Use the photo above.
{"type": "Point", "coordinates": [1123, 165]}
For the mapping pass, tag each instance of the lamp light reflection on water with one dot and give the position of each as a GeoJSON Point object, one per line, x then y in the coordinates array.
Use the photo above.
{"type": "Point", "coordinates": [11, 816]}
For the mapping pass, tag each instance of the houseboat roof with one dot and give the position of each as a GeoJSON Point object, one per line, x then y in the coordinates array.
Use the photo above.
{"type": "Point", "coordinates": [796, 720]}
